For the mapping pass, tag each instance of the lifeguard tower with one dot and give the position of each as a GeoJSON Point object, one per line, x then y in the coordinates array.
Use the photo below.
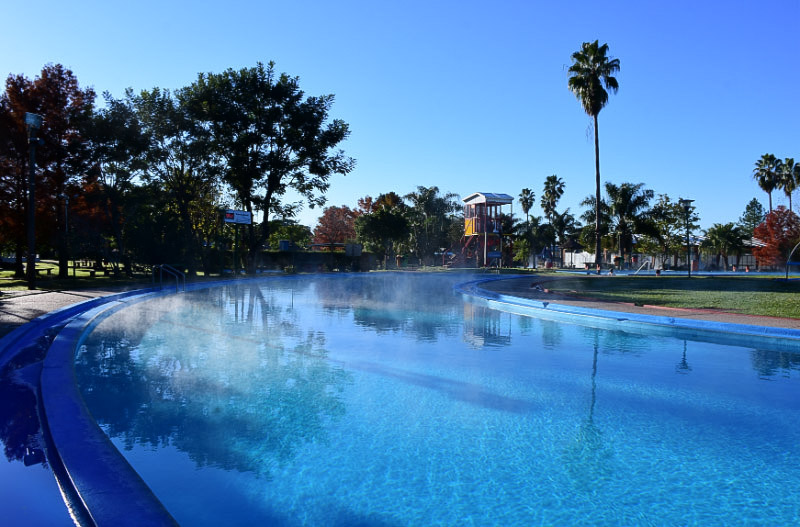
{"type": "Point", "coordinates": [483, 230]}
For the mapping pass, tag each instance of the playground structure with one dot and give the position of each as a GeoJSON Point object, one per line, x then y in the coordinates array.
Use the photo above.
{"type": "Point", "coordinates": [482, 243]}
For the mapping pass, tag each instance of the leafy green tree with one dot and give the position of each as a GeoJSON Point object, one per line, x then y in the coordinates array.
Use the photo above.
{"type": "Point", "coordinates": [180, 158]}
{"type": "Point", "coordinates": [430, 215]}
{"type": "Point", "coordinates": [765, 173]}
{"type": "Point", "coordinates": [382, 228]}
{"type": "Point", "coordinates": [725, 239]}
{"type": "Point", "coordinates": [296, 233]}
{"type": "Point", "coordinates": [669, 218]}
{"type": "Point", "coordinates": [118, 149]}
{"type": "Point", "coordinates": [591, 70]}
{"type": "Point", "coordinates": [752, 217]}
{"type": "Point", "coordinates": [270, 138]}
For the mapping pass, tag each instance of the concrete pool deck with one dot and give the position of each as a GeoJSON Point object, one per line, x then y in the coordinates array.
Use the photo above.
{"type": "Point", "coordinates": [17, 308]}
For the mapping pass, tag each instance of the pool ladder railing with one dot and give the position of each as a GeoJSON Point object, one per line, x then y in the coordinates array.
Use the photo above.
{"type": "Point", "coordinates": [647, 264]}
{"type": "Point", "coordinates": [180, 278]}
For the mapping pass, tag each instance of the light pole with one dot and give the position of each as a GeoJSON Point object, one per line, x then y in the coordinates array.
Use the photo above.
{"type": "Point", "coordinates": [687, 207]}
{"type": "Point", "coordinates": [65, 197]}
{"type": "Point", "coordinates": [34, 122]}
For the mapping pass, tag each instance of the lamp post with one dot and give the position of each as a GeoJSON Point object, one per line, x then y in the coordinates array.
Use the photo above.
{"type": "Point", "coordinates": [34, 122]}
{"type": "Point", "coordinates": [65, 197]}
{"type": "Point", "coordinates": [687, 207]}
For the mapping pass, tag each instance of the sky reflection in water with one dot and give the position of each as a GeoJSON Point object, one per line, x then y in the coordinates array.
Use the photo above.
{"type": "Point", "coordinates": [388, 400]}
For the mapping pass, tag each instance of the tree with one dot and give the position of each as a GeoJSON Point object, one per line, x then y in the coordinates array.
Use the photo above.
{"type": "Point", "coordinates": [430, 215]}
{"type": "Point", "coordinates": [565, 227]}
{"type": "Point", "coordinates": [780, 231]}
{"type": "Point", "coordinates": [629, 207]}
{"type": "Point", "coordinates": [118, 148]}
{"type": "Point", "coordinates": [765, 173]}
{"type": "Point", "coordinates": [752, 217]}
{"type": "Point", "coordinates": [383, 226]}
{"type": "Point", "coordinates": [63, 157]}
{"type": "Point", "coordinates": [669, 220]}
{"type": "Point", "coordinates": [290, 230]}
{"type": "Point", "coordinates": [526, 200]}
{"type": "Point", "coordinates": [788, 174]}
{"type": "Point", "coordinates": [180, 157]}
{"type": "Point", "coordinates": [591, 70]}
{"type": "Point", "coordinates": [725, 239]}
{"type": "Point", "coordinates": [553, 190]}
{"type": "Point", "coordinates": [270, 138]}
{"type": "Point", "coordinates": [13, 180]}
{"type": "Point", "coordinates": [336, 225]}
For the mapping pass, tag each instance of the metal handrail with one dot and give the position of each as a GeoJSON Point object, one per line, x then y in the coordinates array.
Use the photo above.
{"type": "Point", "coordinates": [647, 263]}
{"type": "Point", "coordinates": [789, 259]}
{"type": "Point", "coordinates": [179, 276]}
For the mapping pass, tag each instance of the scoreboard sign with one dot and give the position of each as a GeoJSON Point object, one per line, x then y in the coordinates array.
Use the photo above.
{"type": "Point", "coordinates": [237, 216]}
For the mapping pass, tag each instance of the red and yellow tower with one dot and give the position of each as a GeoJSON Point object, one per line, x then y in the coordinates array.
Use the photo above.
{"type": "Point", "coordinates": [483, 230]}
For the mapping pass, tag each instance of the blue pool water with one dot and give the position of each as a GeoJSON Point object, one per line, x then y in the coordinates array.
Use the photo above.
{"type": "Point", "coordinates": [388, 400]}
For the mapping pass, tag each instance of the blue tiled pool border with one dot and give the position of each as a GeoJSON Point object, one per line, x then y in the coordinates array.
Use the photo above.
{"type": "Point", "coordinates": [741, 334]}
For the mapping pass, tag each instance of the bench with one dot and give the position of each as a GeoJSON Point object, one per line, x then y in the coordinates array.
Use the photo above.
{"type": "Point", "coordinates": [92, 272]}
{"type": "Point", "coordinates": [40, 271]}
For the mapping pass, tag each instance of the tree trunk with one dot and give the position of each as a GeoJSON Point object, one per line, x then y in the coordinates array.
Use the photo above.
{"type": "Point", "coordinates": [597, 194]}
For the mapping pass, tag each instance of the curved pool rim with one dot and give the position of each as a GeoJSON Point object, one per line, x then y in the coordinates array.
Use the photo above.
{"type": "Point", "coordinates": [784, 337]}
{"type": "Point", "coordinates": [113, 493]}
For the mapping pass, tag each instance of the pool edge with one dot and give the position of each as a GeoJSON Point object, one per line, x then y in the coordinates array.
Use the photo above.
{"type": "Point", "coordinates": [624, 319]}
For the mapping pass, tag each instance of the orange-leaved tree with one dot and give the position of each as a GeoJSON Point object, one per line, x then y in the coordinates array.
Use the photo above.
{"type": "Point", "coordinates": [780, 231]}
{"type": "Point", "coordinates": [336, 225]}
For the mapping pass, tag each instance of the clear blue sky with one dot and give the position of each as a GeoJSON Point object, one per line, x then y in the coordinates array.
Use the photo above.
{"type": "Point", "coordinates": [471, 96]}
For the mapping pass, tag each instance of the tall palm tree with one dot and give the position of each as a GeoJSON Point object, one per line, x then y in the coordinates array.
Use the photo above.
{"type": "Point", "coordinates": [527, 199]}
{"type": "Point", "coordinates": [591, 70]}
{"type": "Point", "coordinates": [553, 190]}
{"type": "Point", "coordinates": [787, 177]}
{"type": "Point", "coordinates": [765, 173]}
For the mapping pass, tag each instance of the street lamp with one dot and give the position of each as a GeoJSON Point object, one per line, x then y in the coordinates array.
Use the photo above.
{"type": "Point", "coordinates": [34, 122]}
{"type": "Point", "coordinates": [65, 197]}
{"type": "Point", "coordinates": [687, 207]}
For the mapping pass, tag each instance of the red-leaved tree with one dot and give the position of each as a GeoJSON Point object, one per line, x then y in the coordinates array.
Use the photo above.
{"type": "Point", "coordinates": [336, 225]}
{"type": "Point", "coordinates": [780, 231]}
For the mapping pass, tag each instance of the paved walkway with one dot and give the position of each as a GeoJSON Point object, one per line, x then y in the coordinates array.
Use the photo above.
{"type": "Point", "coordinates": [20, 307]}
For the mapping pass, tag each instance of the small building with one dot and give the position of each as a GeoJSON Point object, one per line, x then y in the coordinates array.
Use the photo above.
{"type": "Point", "coordinates": [482, 243]}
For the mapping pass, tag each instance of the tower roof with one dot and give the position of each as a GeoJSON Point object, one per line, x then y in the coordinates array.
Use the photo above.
{"type": "Point", "coordinates": [490, 198]}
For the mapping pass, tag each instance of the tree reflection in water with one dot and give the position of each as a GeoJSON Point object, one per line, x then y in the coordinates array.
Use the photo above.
{"type": "Point", "coordinates": [225, 375]}
{"type": "Point", "coordinates": [588, 458]}
{"type": "Point", "coordinates": [423, 307]}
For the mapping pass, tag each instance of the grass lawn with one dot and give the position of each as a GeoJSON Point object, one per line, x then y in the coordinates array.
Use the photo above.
{"type": "Point", "coordinates": [765, 296]}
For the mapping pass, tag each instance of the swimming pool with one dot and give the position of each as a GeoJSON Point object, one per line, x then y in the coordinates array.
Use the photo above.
{"type": "Point", "coordinates": [390, 400]}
